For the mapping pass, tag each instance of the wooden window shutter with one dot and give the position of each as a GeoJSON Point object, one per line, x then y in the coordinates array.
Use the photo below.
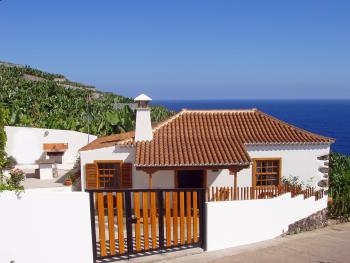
{"type": "Point", "coordinates": [91, 176]}
{"type": "Point", "coordinates": [126, 175]}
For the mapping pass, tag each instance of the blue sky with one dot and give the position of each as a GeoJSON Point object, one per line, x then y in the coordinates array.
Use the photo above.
{"type": "Point", "coordinates": [186, 49]}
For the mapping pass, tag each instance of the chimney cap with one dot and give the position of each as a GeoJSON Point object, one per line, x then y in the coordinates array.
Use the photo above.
{"type": "Point", "coordinates": [142, 97]}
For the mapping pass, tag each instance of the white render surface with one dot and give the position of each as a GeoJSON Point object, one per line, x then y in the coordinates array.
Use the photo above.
{"type": "Point", "coordinates": [25, 144]}
{"type": "Point", "coordinates": [219, 178]}
{"type": "Point", "coordinates": [42, 227]}
{"type": "Point", "coordinates": [160, 179]}
{"type": "Point", "coordinates": [125, 154]}
{"type": "Point", "coordinates": [236, 223]}
{"type": "Point", "coordinates": [143, 130]}
{"type": "Point", "coordinates": [297, 160]}
{"type": "Point", "coordinates": [45, 171]}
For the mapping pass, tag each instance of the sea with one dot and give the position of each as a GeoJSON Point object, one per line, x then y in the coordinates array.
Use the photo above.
{"type": "Point", "coordinates": [325, 117]}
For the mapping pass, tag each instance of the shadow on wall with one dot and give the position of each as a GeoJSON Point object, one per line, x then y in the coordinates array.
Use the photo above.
{"type": "Point", "coordinates": [286, 147]}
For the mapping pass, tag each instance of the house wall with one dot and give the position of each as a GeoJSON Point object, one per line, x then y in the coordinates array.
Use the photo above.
{"type": "Point", "coordinates": [25, 144]}
{"type": "Point", "coordinates": [42, 227]}
{"type": "Point", "coordinates": [160, 179]}
{"type": "Point", "coordinates": [220, 178]}
{"type": "Point", "coordinates": [235, 223]}
{"type": "Point", "coordinates": [297, 160]}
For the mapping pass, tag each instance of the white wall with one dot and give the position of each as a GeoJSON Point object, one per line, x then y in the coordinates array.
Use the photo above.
{"type": "Point", "coordinates": [220, 178]}
{"type": "Point", "coordinates": [297, 160]}
{"type": "Point", "coordinates": [25, 144]}
{"type": "Point", "coordinates": [143, 130]}
{"type": "Point", "coordinates": [160, 179]}
{"type": "Point", "coordinates": [235, 223]}
{"type": "Point", "coordinates": [126, 154]}
{"type": "Point", "coordinates": [42, 227]}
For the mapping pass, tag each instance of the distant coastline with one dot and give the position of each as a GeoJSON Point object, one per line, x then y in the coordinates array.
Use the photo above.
{"type": "Point", "coordinates": [326, 117]}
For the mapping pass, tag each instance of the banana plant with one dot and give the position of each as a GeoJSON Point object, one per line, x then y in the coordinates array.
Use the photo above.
{"type": "Point", "coordinates": [46, 104]}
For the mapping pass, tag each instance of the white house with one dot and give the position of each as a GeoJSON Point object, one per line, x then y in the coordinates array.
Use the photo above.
{"type": "Point", "coordinates": [205, 148]}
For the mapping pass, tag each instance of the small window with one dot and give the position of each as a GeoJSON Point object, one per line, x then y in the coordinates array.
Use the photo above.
{"type": "Point", "coordinates": [267, 172]}
{"type": "Point", "coordinates": [109, 175]}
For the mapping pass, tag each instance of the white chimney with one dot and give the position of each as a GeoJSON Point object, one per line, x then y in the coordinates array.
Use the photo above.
{"type": "Point", "coordinates": [143, 131]}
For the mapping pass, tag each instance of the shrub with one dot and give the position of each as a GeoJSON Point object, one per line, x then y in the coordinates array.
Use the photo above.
{"type": "Point", "coordinates": [2, 140]}
{"type": "Point", "coordinates": [10, 163]}
{"type": "Point", "coordinates": [293, 181]}
{"type": "Point", "coordinates": [16, 178]}
{"type": "Point", "coordinates": [339, 187]}
{"type": "Point", "coordinates": [13, 182]}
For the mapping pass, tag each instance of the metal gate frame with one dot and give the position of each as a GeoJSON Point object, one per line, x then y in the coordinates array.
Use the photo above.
{"type": "Point", "coordinates": [130, 220]}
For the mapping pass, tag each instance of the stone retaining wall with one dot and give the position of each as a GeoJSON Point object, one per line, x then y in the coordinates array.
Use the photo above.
{"type": "Point", "coordinates": [314, 221]}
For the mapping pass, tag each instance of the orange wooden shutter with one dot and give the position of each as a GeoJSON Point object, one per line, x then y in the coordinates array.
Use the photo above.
{"type": "Point", "coordinates": [126, 175]}
{"type": "Point", "coordinates": [91, 176]}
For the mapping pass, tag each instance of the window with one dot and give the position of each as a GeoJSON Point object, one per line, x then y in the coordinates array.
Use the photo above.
{"type": "Point", "coordinates": [266, 172]}
{"type": "Point", "coordinates": [109, 175]}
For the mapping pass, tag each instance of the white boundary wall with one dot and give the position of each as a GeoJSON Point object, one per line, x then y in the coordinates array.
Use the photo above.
{"type": "Point", "coordinates": [42, 227]}
{"type": "Point", "coordinates": [235, 223]}
{"type": "Point", "coordinates": [25, 144]}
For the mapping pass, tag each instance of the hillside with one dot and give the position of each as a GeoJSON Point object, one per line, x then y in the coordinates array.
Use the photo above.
{"type": "Point", "coordinates": [35, 98]}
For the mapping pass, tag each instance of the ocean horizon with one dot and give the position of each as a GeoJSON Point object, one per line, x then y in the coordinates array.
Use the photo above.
{"type": "Point", "coordinates": [325, 117]}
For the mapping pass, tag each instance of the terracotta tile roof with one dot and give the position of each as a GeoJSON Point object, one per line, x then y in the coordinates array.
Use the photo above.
{"type": "Point", "coordinates": [125, 138]}
{"type": "Point", "coordinates": [216, 138]}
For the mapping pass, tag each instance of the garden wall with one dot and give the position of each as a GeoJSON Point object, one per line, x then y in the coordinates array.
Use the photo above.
{"type": "Point", "coordinates": [235, 223]}
{"type": "Point", "coordinates": [25, 144]}
{"type": "Point", "coordinates": [42, 227]}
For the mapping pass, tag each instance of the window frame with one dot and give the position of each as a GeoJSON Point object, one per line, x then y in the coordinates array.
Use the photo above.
{"type": "Point", "coordinates": [266, 159]}
{"type": "Point", "coordinates": [96, 162]}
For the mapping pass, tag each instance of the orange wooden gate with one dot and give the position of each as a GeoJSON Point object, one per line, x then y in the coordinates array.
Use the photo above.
{"type": "Point", "coordinates": [130, 221]}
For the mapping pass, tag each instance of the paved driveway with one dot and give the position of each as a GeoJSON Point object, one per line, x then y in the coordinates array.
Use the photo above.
{"type": "Point", "coordinates": [327, 245]}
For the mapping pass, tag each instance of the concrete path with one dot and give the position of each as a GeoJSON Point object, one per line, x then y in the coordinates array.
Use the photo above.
{"type": "Point", "coordinates": [327, 245]}
{"type": "Point", "coordinates": [32, 182]}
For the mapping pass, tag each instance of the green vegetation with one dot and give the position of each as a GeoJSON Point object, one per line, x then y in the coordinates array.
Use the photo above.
{"type": "Point", "coordinates": [293, 181]}
{"type": "Point", "coordinates": [339, 186]}
{"type": "Point", "coordinates": [13, 182]}
{"type": "Point", "coordinates": [3, 156]}
{"type": "Point", "coordinates": [45, 103]}
{"type": "Point", "coordinates": [40, 73]}
{"type": "Point", "coordinates": [76, 84]}
{"type": "Point", "coordinates": [10, 163]}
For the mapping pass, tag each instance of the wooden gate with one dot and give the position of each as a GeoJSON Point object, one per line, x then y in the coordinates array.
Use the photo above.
{"type": "Point", "coordinates": [132, 221]}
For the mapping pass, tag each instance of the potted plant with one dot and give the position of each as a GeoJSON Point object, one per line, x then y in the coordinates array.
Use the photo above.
{"type": "Point", "coordinates": [68, 180]}
{"type": "Point", "coordinates": [330, 200]}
